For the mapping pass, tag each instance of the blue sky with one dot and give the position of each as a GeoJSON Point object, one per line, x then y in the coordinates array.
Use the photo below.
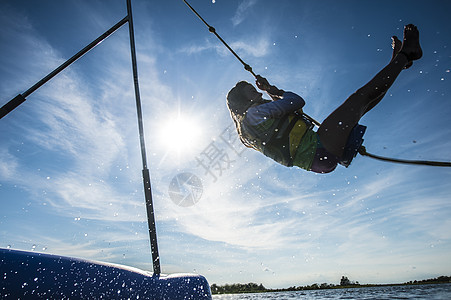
{"type": "Point", "coordinates": [70, 164]}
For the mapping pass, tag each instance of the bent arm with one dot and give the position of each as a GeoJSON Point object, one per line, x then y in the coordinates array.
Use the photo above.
{"type": "Point", "coordinates": [288, 104]}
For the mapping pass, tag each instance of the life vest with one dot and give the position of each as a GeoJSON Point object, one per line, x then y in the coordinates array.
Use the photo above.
{"type": "Point", "coordinates": [277, 138]}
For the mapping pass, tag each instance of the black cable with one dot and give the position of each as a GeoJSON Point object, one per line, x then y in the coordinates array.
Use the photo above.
{"type": "Point", "coordinates": [363, 152]}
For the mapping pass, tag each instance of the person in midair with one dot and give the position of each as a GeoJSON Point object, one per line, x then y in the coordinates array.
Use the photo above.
{"type": "Point", "coordinates": [277, 129]}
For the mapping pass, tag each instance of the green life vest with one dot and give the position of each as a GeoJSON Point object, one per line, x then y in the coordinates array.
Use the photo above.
{"type": "Point", "coordinates": [278, 139]}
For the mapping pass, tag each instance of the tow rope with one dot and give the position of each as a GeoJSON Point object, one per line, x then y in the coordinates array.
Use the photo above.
{"type": "Point", "coordinates": [362, 151]}
{"type": "Point", "coordinates": [246, 66]}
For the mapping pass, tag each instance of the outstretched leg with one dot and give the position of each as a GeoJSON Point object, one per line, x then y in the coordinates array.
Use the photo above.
{"type": "Point", "coordinates": [335, 129]}
{"type": "Point", "coordinates": [396, 46]}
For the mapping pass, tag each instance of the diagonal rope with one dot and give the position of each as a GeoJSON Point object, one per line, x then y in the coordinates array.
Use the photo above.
{"type": "Point", "coordinates": [246, 66]}
{"type": "Point", "coordinates": [213, 30]}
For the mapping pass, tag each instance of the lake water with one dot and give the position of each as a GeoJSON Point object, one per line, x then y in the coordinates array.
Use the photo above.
{"type": "Point", "coordinates": [431, 291]}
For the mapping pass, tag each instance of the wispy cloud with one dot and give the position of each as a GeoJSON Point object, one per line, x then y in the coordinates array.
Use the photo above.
{"type": "Point", "coordinates": [86, 128]}
{"type": "Point", "coordinates": [241, 11]}
{"type": "Point", "coordinates": [8, 165]}
{"type": "Point", "coordinates": [258, 47]}
{"type": "Point", "coordinates": [253, 48]}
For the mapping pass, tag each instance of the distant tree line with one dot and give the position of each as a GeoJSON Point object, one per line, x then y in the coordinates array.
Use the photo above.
{"type": "Point", "coordinates": [239, 288]}
{"type": "Point", "coordinates": [440, 279]}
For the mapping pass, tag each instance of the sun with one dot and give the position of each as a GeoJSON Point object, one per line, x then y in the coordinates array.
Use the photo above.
{"type": "Point", "coordinates": [180, 134]}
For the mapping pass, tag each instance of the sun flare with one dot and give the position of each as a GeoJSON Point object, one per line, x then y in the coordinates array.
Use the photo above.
{"type": "Point", "coordinates": [180, 133]}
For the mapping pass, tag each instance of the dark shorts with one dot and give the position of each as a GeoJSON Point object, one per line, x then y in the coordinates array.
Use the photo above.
{"type": "Point", "coordinates": [324, 161]}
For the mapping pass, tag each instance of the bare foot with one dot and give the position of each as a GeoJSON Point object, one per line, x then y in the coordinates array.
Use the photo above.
{"type": "Point", "coordinates": [396, 45]}
{"type": "Point", "coordinates": [411, 44]}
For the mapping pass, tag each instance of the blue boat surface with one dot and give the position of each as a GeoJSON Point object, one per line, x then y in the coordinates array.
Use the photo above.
{"type": "Point", "coordinates": [32, 275]}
